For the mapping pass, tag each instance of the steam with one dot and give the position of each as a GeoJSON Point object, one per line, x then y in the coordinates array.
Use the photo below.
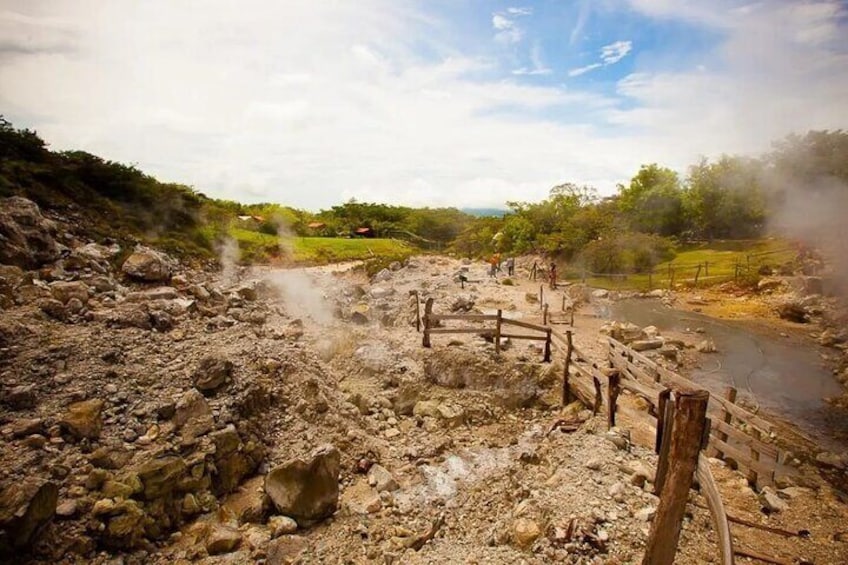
{"type": "Point", "coordinates": [228, 256]}
{"type": "Point", "coordinates": [302, 295]}
{"type": "Point", "coordinates": [286, 238]}
{"type": "Point", "coordinates": [812, 211]}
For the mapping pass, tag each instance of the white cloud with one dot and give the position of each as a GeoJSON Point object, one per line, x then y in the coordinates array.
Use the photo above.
{"type": "Point", "coordinates": [501, 22]}
{"type": "Point", "coordinates": [523, 11]}
{"type": "Point", "coordinates": [582, 70]}
{"type": "Point", "coordinates": [615, 52]}
{"type": "Point", "coordinates": [294, 105]}
{"type": "Point", "coordinates": [538, 66]}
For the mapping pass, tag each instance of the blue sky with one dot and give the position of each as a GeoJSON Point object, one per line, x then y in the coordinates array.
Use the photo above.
{"type": "Point", "coordinates": [431, 102]}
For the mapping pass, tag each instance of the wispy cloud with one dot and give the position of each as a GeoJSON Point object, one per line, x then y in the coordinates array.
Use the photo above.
{"type": "Point", "coordinates": [610, 55]}
{"type": "Point", "coordinates": [582, 70]}
{"type": "Point", "coordinates": [505, 26]}
{"type": "Point", "coordinates": [522, 11]}
{"type": "Point", "coordinates": [615, 52]}
{"type": "Point", "coordinates": [538, 66]}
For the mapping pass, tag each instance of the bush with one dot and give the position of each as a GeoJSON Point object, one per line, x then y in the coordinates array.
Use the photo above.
{"type": "Point", "coordinates": [629, 252]}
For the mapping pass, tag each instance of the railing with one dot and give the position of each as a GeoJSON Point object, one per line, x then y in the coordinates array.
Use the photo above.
{"type": "Point", "coordinates": [496, 332]}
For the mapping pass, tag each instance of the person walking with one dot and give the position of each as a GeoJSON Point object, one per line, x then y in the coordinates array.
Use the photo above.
{"type": "Point", "coordinates": [510, 266]}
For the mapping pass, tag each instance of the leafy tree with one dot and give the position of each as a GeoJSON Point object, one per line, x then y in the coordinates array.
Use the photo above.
{"type": "Point", "coordinates": [653, 201]}
{"type": "Point", "coordinates": [724, 199]}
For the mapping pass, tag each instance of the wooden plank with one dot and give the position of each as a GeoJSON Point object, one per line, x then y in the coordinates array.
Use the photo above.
{"type": "Point", "coordinates": [547, 358]}
{"type": "Point", "coordinates": [428, 311]}
{"type": "Point", "coordinates": [526, 336]}
{"type": "Point", "coordinates": [498, 336]}
{"type": "Point", "coordinates": [635, 387]}
{"type": "Point", "coordinates": [566, 394]}
{"type": "Point", "coordinates": [690, 421]}
{"type": "Point", "coordinates": [726, 417]}
{"type": "Point", "coordinates": [744, 459]}
{"type": "Point", "coordinates": [716, 506]}
{"type": "Point", "coordinates": [724, 431]}
{"type": "Point", "coordinates": [526, 325]}
{"type": "Point", "coordinates": [461, 331]}
{"type": "Point", "coordinates": [673, 378]}
{"type": "Point", "coordinates": [612, 399]}
{"type": "Point", "coordinates": [467, 317]}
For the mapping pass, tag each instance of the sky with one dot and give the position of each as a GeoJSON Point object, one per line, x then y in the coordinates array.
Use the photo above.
{"type": "Point", "coordinates": [465, 103]}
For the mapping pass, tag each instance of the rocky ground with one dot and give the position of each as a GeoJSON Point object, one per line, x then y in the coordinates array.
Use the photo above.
{"type": "Point", "coordinates": [156, 414]}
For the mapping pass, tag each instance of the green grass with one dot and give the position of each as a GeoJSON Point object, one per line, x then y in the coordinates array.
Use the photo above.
{"type": "Point", "coordinates": [718, 261]}
{"type": "Point", "coordinates": [260, 247]}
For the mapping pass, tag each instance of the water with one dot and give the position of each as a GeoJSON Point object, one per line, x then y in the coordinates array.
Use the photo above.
{"type": "Point", "coordinates": [777, 374]}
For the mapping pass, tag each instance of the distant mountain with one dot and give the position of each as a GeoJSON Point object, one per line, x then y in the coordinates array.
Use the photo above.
{"type": "Point", "coordinates": [485, 212]}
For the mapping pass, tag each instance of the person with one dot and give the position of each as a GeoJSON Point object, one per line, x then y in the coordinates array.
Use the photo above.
{"type": "Point", "coordinates": [497, 259]}
{"type": "Point", "coordinates": [493, 265]}
{"type": "Point", "coordinates": [510, 266]}
{"type": "Point", "coordinates": [553, 275]}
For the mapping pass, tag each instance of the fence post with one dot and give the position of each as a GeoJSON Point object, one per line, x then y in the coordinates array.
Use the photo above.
{"type": "Point", "coordinates": [650, 280]}
{"type": "Point", "coordinates": [612, 398]}
{"type": "Point", "coordinates": [689, 424]}
{"type": "Point", "coordinates": [597, 406]}
{"type": "Point", "coordinates": [566, 392]}
{"type": "Point", "coordinates": [753, 476]}
{"type": "Point", "coordinates": [541, 295]}
{"type": "Point", "coordinates": [498, 332]}
{"type": "Point", "coordinates": [417, 310]}
{"type": "Point", "coordinates": [548, 346]}
{"type": "Point", "coordinates": [545, 315]}
{"type": "Point", "coordinates": [706, 268]}
{"type": "Point", "coordinates": [727, 417]}
{"type": "Point", "coordinates": [697, 274]}
{"type": "Point", "coordinates": [572, 316]}
{"type": "Point", "coordinates": [671, 277]}
{"type": "Point", "coordinates": [428, 309]}
{"type": "Point", "coordinates": [563, 302]}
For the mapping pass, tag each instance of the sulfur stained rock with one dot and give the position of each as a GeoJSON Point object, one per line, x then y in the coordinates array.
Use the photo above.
{"type": "Point", "coordinates": [84, 419]}
{"type": "Point", "coordinates": [25, 508]}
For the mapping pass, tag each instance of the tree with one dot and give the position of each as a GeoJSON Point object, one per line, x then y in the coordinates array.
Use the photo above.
{"type": "Point", "coordinates": [653, 202]}
{"type": "Point", "coordinates": [725, 199]}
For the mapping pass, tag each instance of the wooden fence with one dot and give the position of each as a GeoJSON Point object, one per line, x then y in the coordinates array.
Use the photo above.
{"type": "Point", "coordinates": [495, 332]}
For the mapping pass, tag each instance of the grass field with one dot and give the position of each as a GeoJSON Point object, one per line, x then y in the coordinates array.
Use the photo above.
{"type": "Point", "coordinates": [718, 262]}
{"type": "Point", "coordinates": [260, 247]}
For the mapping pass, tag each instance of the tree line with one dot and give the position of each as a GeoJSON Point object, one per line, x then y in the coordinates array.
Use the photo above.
{"type": "Point", "coordinates": [731, 197]}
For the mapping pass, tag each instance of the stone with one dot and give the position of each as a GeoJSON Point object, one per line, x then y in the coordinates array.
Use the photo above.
{"type": "Point", "coordinates": [640, 472]}
{"type": "Point", "coordinates": [159, 477]}
{"type": "Point", "coordinates": [600, 293]}
{"type": "Point", "coordinates": [67, 509]}
{"type": "Point", "coordinates": [222, 539]}
{"type": "Point", "coordinates": [192, 415]}
{"type": "Point", "coordinates": [307, 491]}
{"type": "Point", "coordinates": [147, 265]}
{"type": "Point", "coordinates": [426, 408]}
{"type": "Point", "coordinates": [706, 346]}
{"type": "Point", "coordinates": [524, 532]}
{"type": "Point", "coordinates": [27, 426]}
{"type": "Point", "coordinates": [646, 344]}
{"type": "Point", "coordinates": [286, 550]}
{"type": "Point", "coordinates": [407, 396]}
{"type": "Point", "coordinates": [83, 419]}
{"type": "Point", "coordinates": [594, 464]}
{"type": "Point", "coordinates": [380, 478]}
{"type": "Point", "coordinates": [27, 237]}
{"type": "Point", "coordinates": [360, 498]}
{"type": "Point", "coordinates": [828, 459]}
{"type": "Point", "coordinates": [213, 372]}
{"type": "Point", "coordinates": [771, 502]}
{"type": "Point", "coordinates": [451, 414]}
{"type": "Point", "coordinates": [281, 526]}
{"type": "Point", "coordinates": [645, 514]}
{"type": "Point", "coordinates": [20, 397]}
{"type": "Point", "coordinates": [26, 507]}
{"type": "Point", "coordinates": [65, 291]}
{"type": "Point", "coordinates": [794, 492]}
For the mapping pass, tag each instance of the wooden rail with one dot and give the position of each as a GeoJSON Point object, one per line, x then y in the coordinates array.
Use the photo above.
{"type": "Point", "coordinates": [741, 443]}
{"type": "Point", "coordinates": [431, 320]}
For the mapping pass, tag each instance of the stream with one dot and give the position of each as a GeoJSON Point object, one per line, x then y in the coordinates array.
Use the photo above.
{"type": "Point", "coordinates": [780, 375]}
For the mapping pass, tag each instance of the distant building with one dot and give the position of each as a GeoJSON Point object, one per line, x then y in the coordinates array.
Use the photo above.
{"type": "Point", "coordinates": [363, 232]}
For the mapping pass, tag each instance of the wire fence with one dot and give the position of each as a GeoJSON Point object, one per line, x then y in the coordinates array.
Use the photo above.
{"type": "Point", "coordinates": [736, 267]}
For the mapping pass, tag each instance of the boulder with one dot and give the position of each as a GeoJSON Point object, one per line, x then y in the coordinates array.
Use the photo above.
{"type": "Point", "coordinates": [64, 291]}
{"type": "Point", "coordinates": [213, 372]}
{"type": "Point", "coordinates": [25, 508]}
{"type": "Point", "coordinates": [771, 502]}
{"type": "Point", "coordinates": [84, 419]}
{"type": "Point", "coordinates": [793, 312]}
{"type": "Point", "coordinates": [222, 538]}
{"type": "Point", "coordinates": [192, 415]}
{"type": "Point", "coordinates": [26, 237]}
{"type": "Point", "coordinates": [159, 477]}
{"type": "Point", "coordinates": [307, 491]}
{"type": "Point", "coordinates": [147, 265]}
